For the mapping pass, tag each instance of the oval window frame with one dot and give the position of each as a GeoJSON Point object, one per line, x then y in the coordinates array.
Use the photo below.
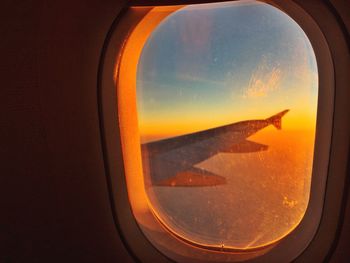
{"type": "Point", "coordinates": [119, 197]}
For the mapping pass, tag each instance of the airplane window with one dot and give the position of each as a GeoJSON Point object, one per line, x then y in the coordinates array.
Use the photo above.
{"type": "Point", "coordinates": [226, 98]}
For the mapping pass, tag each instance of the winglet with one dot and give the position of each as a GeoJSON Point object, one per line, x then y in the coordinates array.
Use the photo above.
{"type": "Point", "coordinates": [276, 120]}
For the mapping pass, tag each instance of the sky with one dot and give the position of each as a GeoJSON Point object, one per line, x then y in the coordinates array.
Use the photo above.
{"type": "Point", "coordinates": [209, 65]}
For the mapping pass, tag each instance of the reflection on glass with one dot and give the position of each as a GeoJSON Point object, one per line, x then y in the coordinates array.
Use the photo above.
{"type": "Point", "coordinates": [227, 98]}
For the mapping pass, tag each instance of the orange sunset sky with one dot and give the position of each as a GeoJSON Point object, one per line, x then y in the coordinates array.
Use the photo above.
{"type": "Point", "coordinates": [206, 67]}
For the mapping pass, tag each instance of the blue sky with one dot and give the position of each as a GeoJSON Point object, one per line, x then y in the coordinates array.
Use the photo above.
{"type": "Point", "coordinates": [209, 65]}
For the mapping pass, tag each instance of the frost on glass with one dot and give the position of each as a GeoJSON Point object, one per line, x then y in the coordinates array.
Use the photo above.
{"type": "Point", "coordinates": [226, 99]}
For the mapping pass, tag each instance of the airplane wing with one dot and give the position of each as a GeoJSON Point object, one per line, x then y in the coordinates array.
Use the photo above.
{"type": "Point", "coordinates": [245, 147]}
{"type": "Point", "coordinates": [171, 162]}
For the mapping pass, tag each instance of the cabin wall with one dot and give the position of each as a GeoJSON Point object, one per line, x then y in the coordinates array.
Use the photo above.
{"type": "Point", "coordinates": [54, 203]}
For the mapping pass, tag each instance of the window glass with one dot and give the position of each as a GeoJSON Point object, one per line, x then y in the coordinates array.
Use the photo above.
{"type": "Point", "coordinates": [226, 106]}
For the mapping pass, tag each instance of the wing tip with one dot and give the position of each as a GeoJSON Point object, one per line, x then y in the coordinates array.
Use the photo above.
{"type": "Point", "coordinates": [276, 120]}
